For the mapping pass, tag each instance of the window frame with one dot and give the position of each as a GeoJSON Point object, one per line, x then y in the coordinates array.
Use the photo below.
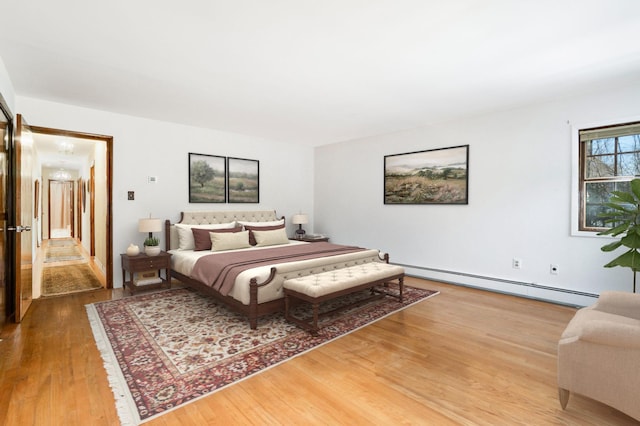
{"type": "Point", "coordinates": [579, 227]}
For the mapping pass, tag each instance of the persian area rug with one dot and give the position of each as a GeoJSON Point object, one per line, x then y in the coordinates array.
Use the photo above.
{"type": "Point", "coordinates": [62, 250]}
{"type": "Point", "coordinates": [162, 350]}
{"type": "Point", "coordinates": [59, 280]}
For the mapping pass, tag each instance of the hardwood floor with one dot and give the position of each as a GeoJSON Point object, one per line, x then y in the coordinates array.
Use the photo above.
{"type": "Point", "coordinates": [465, 357]}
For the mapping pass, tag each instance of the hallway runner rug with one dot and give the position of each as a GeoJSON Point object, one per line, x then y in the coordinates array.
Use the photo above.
{"type": "Point", "coordinates": [62, 250]}
{"type": "Point", "coordinates": [165, 349]}
{"type": "Point", "coordinates": [61, 242]}
{"type": "Point", "coordinates": [59, 280]}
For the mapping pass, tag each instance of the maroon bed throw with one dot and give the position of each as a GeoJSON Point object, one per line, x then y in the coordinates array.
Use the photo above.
{"type": "Point", "coordinates": [220, 270]}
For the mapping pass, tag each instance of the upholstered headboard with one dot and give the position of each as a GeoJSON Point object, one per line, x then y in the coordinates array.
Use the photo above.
{"type": "Point", "coordinates": [211, 217]}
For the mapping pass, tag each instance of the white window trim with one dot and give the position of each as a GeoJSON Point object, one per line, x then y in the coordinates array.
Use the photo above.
{"type": "Point", "coordinates": [575, 171]}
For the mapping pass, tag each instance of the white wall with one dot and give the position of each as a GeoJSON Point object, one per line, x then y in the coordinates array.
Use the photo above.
{"type": "Point", "coordinates": [143, 148]}
{"type": "Point", "coordinates": [520, 181]}
{"type": "Point", "coordinates": [6, 87]}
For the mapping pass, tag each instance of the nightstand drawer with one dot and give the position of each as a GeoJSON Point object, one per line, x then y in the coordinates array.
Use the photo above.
{"type": "Point", "coordinates": [151, 263]}
{"type": "Point", "coordinates": [143, 262]}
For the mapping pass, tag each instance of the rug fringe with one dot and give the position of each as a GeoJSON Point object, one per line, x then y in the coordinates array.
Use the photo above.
{"type": "Point", "coordinates": [125, 406]}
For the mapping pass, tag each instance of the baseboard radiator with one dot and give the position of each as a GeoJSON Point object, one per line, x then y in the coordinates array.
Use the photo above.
{"type": "Point", "coordinates": [501, 285]}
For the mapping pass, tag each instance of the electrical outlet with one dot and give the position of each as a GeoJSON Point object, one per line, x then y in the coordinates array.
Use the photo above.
{"type": "Point", "coordinates": [516, 263]}
{"type": "Point", "coordinates": [554, 269]}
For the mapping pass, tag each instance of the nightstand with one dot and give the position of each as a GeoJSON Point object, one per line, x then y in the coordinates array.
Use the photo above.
{"type": "Point", "coordinates": [141, 263]}
{"type": "Point", "coordinates": [310, 239]}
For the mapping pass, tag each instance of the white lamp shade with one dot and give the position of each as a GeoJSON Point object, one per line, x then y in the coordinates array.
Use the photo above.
{"type": "Point", "coordinates": [149, 225]}
{"type": "Point", "coordinates": [300, 219]}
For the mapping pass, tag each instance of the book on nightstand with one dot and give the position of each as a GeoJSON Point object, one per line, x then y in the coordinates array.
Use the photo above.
{"type": "Point", "coordinates": [148, 281]}
{"type": "Point", "coordinates": [146, 278]}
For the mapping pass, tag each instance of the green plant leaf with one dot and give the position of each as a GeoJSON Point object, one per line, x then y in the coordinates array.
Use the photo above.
{"type": "Point", "coordinates": [615, 231]}
{"type": "Point", "coordinates": [611, 246]}
{"type": "Point", "coordinates": [631, 240]}
{"type": "Point", "coordinates": [635, 188]}
{"type": "Point", "coordinates": [624, 216]}
{"type": "Point", "coordinates": [629, 259]}
{"type": "Point", "coordinates": [621, 206]}
{"type": "Point", "coordinates": [623, 197]}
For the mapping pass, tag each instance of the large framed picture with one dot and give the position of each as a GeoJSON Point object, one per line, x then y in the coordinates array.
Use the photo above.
{"type": "Point", "coordinates": [207, 178]}
{"type": "Point", "coordinates": [243, 180]}
{"type": "Point", "coordinates": [435, 176]}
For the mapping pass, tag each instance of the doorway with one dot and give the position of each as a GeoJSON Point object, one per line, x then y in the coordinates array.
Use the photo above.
{"type": "Point", "coordinates": [76, 172]}
{"type": "Point", "coordinates": [30, 189]}
{"type": "Point", "coordinates": [61, 209]}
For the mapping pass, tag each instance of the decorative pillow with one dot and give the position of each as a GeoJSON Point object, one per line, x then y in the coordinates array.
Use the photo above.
{"type": "Point", "coordinates": [229, 241]}
{"type": "Point", "coordinates": [202, 239]}
{"type": "Point", "coordinates": [270, 223]}
{"type": "Point", "coordinates": [271, 238]}
{"type": "Point", "coordinates": [185, 236]}
{"type": "Point", "coordinates": [251, 228]}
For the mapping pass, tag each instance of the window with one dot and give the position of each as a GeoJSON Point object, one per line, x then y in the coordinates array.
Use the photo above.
{"type": "Point", "coordinates": [609, 160]}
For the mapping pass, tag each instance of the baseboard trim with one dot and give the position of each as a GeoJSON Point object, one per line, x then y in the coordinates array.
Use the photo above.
{"type": "Point", "coordinates": [520, 284]}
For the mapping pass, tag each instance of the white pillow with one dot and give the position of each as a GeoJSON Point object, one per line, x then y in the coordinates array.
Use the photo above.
{"type": "Point", "coordinates": [229, 240]}
{"type": "Point", "coordinates": [271, 238]}
{"type": "Point", "coordinates": [185, 235]}
{"type": "Point", "coordinates": [270, 223]}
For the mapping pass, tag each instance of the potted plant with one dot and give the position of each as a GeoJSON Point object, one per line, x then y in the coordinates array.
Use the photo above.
{"type": "Point", "coordinates": [152, 246]}
{"type": "Point", "coordinates": [624, 218]}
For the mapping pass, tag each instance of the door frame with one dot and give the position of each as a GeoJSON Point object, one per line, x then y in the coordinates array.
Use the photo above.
{"type": "Point", "coordinates": [108, 140]}
{"type": "Point", "coordinates": [8, 306]}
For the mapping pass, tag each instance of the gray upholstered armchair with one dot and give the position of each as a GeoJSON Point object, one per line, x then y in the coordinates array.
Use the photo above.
{"type": "Point", "coordinates": [599, 353]}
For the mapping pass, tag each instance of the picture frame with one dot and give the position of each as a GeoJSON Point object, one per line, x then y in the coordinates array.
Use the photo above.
{"type": "Point", "coordinates": [207, 178]}
{"type": "Point", "coordinates": [83, 194]}
{"type": "Point", "coordinates": [243, 180]}
{"type": "Point", "coordinates": [434, 176]}
{"type": "Point", "coordinates": [36, 198]}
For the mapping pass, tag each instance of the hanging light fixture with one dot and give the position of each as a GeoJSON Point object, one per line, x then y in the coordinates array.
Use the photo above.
{"type": "Point", "coordinates": [65, 147]}
{"type": "Point", "coordinates": [61, 174]}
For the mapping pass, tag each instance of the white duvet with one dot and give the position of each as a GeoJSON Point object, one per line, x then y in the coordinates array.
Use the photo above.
{"type": "Point", "coordinates": [183, 262]}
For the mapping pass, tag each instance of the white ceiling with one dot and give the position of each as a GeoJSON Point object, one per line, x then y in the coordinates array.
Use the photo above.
{"type": "Point", "coordinates": [316, 72]}
{"type": "Point", "coordinates": [49, 148]}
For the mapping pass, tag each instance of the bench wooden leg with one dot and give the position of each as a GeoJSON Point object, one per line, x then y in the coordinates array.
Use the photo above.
{"type": "Point", "coordinates": [316, 310]}
{"type": "Point", "coordinates": [286, 306]}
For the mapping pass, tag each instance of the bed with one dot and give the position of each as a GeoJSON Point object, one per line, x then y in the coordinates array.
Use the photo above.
{"type": "Point", "coordinates": [252, 283]}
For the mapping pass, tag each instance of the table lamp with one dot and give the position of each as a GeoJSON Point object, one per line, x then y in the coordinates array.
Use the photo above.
{"type": "Point", "coordinates": [300, 219]}
{"type": "Point", "coordinates": [150, 225]}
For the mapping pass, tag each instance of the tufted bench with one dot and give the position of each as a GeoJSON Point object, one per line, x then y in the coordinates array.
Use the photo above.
{"type": "Point", "coordinates": [323, 286]}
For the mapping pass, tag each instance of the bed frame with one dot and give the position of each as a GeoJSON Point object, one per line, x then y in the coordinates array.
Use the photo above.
{"type": "Point", "coordinates": [253, 310]}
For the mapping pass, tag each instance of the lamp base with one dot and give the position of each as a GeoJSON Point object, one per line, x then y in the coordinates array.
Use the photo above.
{"type": "Point", "coordinates": [300, 233]}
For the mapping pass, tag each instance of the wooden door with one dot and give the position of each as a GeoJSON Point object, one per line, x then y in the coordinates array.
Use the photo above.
{"type": "Point", "coordinates": [79, 209]}
{"type": "Point", "coordinates": [23, 201]}
{"type": "Point", "coordinates": [92, 210]}
{"type": "Point", "coordinates": [6, 290]}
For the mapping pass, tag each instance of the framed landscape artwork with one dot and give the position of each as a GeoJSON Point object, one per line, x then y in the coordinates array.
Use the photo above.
{"type": "Point", "coordinates": [436, 176]}
{"type": "Point", "coordinates": [207, 178]}
{"type": "Point", "coordinates": [243, 180]}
